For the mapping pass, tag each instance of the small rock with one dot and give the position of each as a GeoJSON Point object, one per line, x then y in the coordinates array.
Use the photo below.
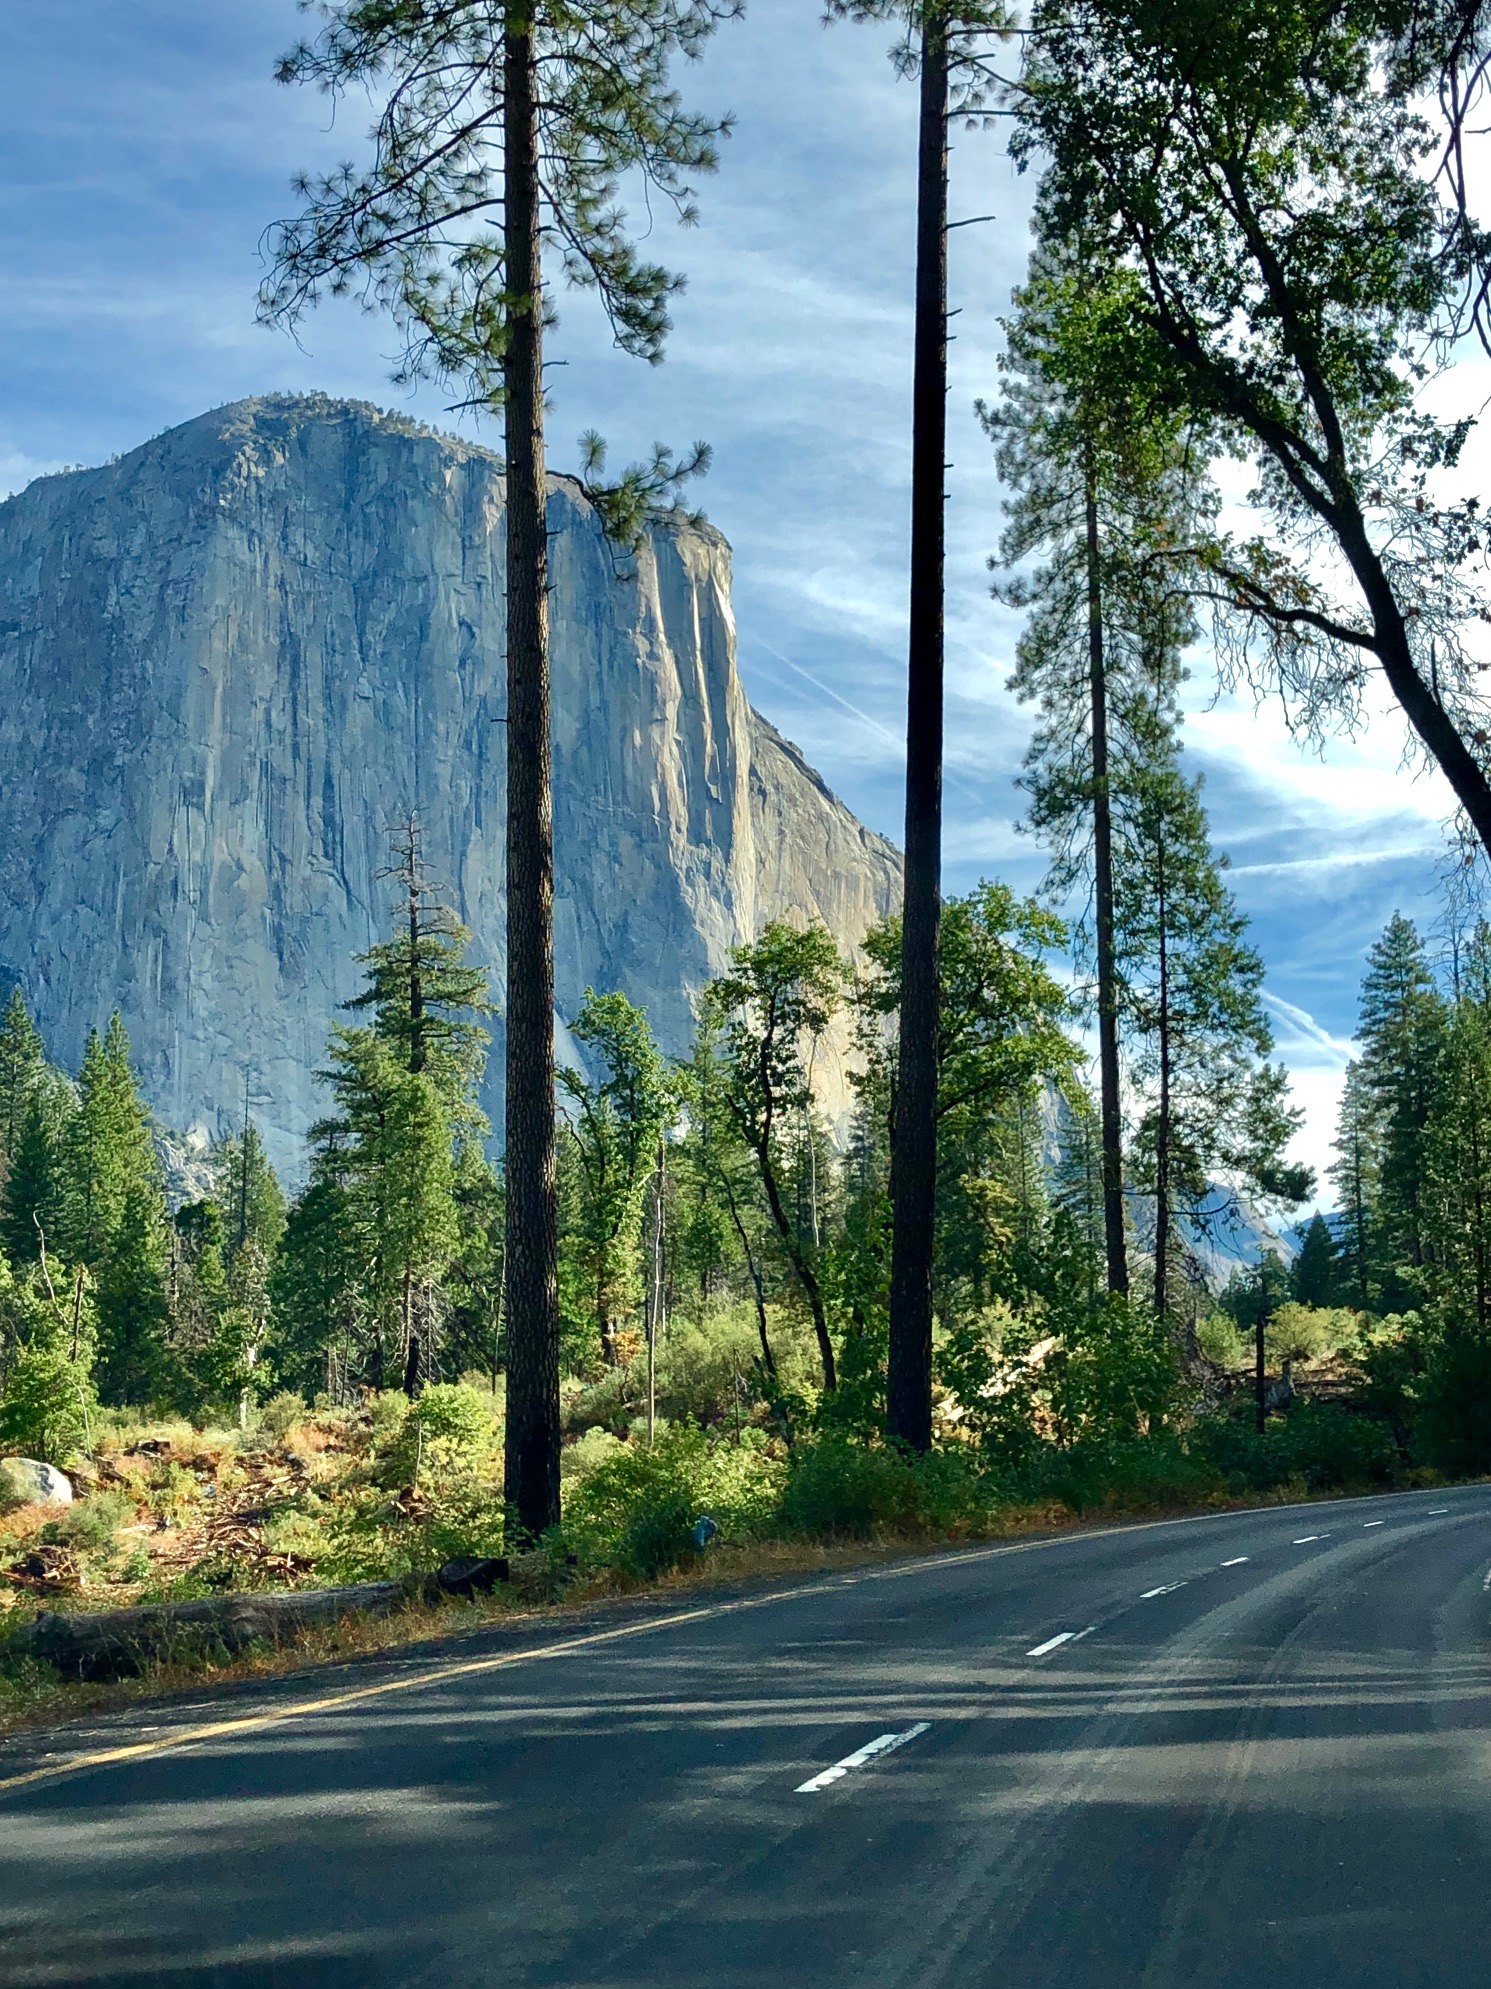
{"type": "Point", "coordinates": [26, 1481]}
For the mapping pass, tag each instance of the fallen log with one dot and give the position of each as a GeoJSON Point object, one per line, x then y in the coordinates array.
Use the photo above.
{"type": "Point", "coordinates": [121, 1643]}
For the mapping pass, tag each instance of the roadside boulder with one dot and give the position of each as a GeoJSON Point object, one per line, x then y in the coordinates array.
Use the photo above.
{"type": "Point", "coordinates": [25, 1481]}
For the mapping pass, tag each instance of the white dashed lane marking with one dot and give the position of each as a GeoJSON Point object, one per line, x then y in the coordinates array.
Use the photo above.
{"type": "Point", "coordinates": [1062, 1637]}
{"type": "Point", "coordinates": [1168, 1588]}
{"type": "Point", "coordinates": [1374, 1522]}
{"type": "Point", "coordinates": [871, 1751]}
{"type": "Point", "coordinates": [1236, 1562]}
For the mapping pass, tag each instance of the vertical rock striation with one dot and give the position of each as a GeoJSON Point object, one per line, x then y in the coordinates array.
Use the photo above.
{"type": "Point", "coordinates": [232, 661]}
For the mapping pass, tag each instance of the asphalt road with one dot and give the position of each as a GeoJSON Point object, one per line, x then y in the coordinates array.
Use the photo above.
{"type": "Point", "coordinates": [1261, 1756]}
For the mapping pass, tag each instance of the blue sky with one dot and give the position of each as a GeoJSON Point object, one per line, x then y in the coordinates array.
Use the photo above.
{"type": "Point", "coordinates": [144, 149]}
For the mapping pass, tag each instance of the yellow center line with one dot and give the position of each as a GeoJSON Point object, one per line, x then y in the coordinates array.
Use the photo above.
{"type": "Point", "coordinates": [470, 1668]}
{"type": "Point", "coordinates": [474, 1667]}
{"type": "Point", "coordinates": [298, 1708]}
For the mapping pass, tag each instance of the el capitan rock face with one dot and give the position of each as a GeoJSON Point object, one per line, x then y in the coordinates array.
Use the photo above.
{"type": "Point", "coordinates": [233, 660]}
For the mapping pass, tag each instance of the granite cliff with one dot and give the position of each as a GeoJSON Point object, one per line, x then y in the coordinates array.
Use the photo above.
{"type": "Point", "coordinates": [231, 661]}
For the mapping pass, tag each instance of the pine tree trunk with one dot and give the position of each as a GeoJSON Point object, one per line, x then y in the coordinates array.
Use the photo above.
{"type": "Point", "coordinates": [532, 1447]}
{"type": "Point", "coordinates": [416, 988]}
{"type": "Point", "coordinates": [1162, 1136]}
{"type": "Point", "coordinates": [1102, 848]}
{"type": "Point", "coordinates": [914, 1173]}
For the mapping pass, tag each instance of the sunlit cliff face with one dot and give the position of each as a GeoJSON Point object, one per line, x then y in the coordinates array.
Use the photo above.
{"type": "Point", "coordinates": [232, 662]}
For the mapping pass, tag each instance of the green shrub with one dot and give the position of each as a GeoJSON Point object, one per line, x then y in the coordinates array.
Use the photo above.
{"type": "Point", "coordinates": [837, 1489]}
{"type": "Point", "coordinates": [578, 1459]}
{"type": "Point", "coordinates": [1132, 1474]}
{"type": "Point", "coordinates": [637, 1509]}
{"type": "Point", "coordinates": [1318, 1444]}
{"type": "Point", "coordinates": [1452, 1426]}
{"type": "Point", "coordinates": [1307, 1332]}
{"type": "Point", "coordinates": [1221, 1340]}
{"type": "Point", "coordinates": [92, 1523]}
{"type": "Point", "coordinates": [281, 1413]}
{"type": "Point", "coordinates": [448, 1429]}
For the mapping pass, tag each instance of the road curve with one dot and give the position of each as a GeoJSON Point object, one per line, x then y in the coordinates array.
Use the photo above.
{"type": "Point", "coordinates": [1234, 1751]}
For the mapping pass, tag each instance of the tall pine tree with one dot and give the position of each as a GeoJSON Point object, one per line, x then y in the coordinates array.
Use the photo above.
{"type": "Point", "coordinates": [1210, 1102]}
{"type": "Point", "coordinates": [110, 1153]}
{"type": "Point", "coordinates": [502, 134]}
{"type": "Point", "coordinates": [1354, 1173]}
{"type": "Point", "coordinates": [1401, 1029]}
{"type": "Point", "coordinates": [1104, 493]}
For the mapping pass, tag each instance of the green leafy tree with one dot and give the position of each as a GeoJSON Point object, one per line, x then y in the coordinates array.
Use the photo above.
{"type": "Point", "coordinates": [425, 996]}
{"type": "Point", "coordinates": [777, 1001]}
{"type": "Point", "coordinates": [397, 1175]}
{"type": "Point", "coordinates": [619, 1118]}
{"type": "Point", "coordinates": [1455, 1148]}
{"type": "Point", "coordinates": [503, 132]}
{"type": "Point", "coordinates": [1078, 1185]}
{"type": "Point", "coordinates": [1001, 1040]}
{"type": "Point", "coordinates": [1263, 172]}
{"type": "Point", "coordinates": [47, 1401]}
{"type": "Point", "coordinates": [321, 1336]}
{"type": "Point", "coordinates": [196, 1293]}
{"type": "Point", "coordinates": [48, 1337]}
{"type": "Point", "coordinates": [252, 1202]}
{"type": "Point", "coordinates": [725, 1220]}
{"type": "Point", "coordinates": [389, 1149]}
{"type": "Point", "coordinates": [474, 1288]}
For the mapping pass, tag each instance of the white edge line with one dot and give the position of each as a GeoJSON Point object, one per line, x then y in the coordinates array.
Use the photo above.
{"type": "Point", "coordinates": [886, 1743]}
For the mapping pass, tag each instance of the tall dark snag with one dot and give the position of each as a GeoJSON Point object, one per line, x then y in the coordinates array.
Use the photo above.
{"type": "Point", "coordinates": [1115, 1246]}
{"type": "Point", "coordinates": [946, 45]}
{"type": "Point", "coordinates": [908, 1394]}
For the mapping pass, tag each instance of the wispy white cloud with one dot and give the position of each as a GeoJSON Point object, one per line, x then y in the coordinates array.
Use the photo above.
{"type": "Point", "coordinates": [1301, 1033]}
